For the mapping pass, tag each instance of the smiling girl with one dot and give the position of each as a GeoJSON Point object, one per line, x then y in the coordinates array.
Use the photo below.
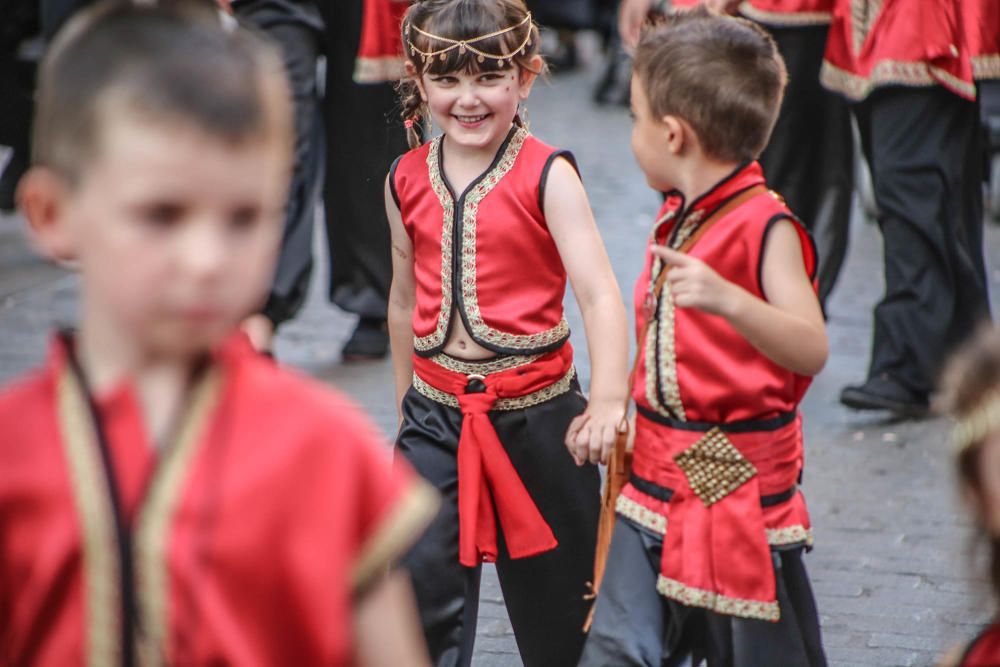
{"type": "Point", "coordinates": [488, 223]}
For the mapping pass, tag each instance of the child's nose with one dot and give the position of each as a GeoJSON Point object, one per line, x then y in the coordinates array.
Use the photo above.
{"type": "Point", "coordinates": [204, 254]}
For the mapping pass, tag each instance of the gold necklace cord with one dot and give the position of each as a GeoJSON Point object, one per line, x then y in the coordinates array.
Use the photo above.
{"type": "Point", "coordinates": [466, 44]}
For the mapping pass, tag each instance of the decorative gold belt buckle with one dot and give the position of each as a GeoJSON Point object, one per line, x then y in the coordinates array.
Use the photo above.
{"type": "Point", "coordinates": [714, 467]}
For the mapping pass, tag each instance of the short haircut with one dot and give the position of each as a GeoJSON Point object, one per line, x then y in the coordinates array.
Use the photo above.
{"type": "Point", "coordinates": [172, 60]}
{"type": "Point", "coordinates": [722, 75]}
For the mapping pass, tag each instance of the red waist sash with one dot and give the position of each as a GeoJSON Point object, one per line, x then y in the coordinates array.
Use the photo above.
{"type": "Point", "coordinates": [488, 484]}
{"type": "Point", "coordinates": [715, 551]}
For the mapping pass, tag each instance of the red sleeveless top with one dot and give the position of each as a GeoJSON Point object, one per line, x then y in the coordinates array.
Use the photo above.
{"type": "Point", "coordinates": [984, 651]}
{"type": "Point", "coordinates": [484, 255]}
{"type": "Point", "coordinates": [696, 366]}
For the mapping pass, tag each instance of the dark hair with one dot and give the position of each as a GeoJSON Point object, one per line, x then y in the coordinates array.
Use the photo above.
{"type": "Point", "coordinates": [722, 75]}
{"type": "Point", "coordinates": [972, 378]}
{"type": "Point", "coordinates": [172, 59]}
{"type": "Point", "coordinates": [462, 20]}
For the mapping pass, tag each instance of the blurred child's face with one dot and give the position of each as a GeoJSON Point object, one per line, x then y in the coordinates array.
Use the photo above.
{"type": "Point", "coordinates": [176, 232]}
{"type": "Point", "coordinates": [475, 109]}
{"type": "Point", "coordinates": [650, 141]}
{"type": "Point", "coordinates": [989, 479]}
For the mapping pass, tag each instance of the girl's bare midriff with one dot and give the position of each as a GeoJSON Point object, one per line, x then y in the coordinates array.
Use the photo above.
{"type": "Point", "coordinates": [460, 343]}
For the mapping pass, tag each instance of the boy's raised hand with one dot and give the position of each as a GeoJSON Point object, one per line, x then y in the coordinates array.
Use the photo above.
{"type": "Point", "coordinates": [592, 434]}
{"type": "Point", "coordinates": [694, 284]}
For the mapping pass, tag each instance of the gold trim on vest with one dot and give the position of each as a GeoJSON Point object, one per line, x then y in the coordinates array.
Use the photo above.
{"type": "Point", "coordinates": [642, 515]}
{"type": "Point", "coordinates": [863, 16]}
{"type": "Point", "coordinates": [785, 19]}
{"type": "Point", "coordinates": [888, 73]}
{"type": "Point", "coordinates": [721, 604]}
{"type": "Point", "coordinates": [557, 388]}
{"type": "Point", "coordinates": [436, 338]}
{"type": "Point", "coordinates": [155, 519]}
{"type": "Point", "coordinates": [101, 566]}
{"type": "Point", "coordinates": [986, 66]}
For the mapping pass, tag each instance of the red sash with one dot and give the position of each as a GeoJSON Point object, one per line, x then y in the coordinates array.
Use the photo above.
{"type": "Point", "coordinates": [716, 553]}
{"type": "Point", "coordinates": [488, 484]}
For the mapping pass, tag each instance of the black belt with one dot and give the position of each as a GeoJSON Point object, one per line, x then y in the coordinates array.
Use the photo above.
{"type": "Point", "coordinates": [663, 493]}
{"type": "Point", "coordinates": [744, 426]}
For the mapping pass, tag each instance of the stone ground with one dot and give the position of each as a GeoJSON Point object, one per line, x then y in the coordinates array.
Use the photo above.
{"type": "Point", "coordinates": [890, 570]}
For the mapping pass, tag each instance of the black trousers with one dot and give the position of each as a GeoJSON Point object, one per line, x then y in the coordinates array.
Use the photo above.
{"type": "Point", "coordinates": [925, 147]}
{"type": "Point", "coordinates": [544, 594]}
{"type": "Point", "coordinates": [634, 626]}
{"type": "Point", "coordinates": [346, 140]}
{"type": "Point", "coordinates": [809, 159]}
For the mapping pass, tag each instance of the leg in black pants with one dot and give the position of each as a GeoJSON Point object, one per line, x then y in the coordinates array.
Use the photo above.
{"type": "Point", "coordinates": [544, 594]}
{"type": "Point", "coordinates": [925, 148]}
{"type": "Point", "coordinates": [296, 29]}
{"type": "Point", "coordinates": [809, 158]}
{"type": "Point", "coordinates": [364, 136]}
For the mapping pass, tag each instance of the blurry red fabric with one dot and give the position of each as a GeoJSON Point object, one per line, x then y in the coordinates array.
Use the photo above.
{"type": "Point", "coordinates": [985, 650]}
{"type": "Point", "coordinates": [286, 488]}
{"type": "Point", "coordinates": [912, 43]}
{"type": "Point", "coordinates": [503, 269]}
{"type": "Point", "coordinates": [380, 49]}
{"type": "Point", "coordinates": [488, 484]}
{"type": "Point", "coordinates": [722, 377]}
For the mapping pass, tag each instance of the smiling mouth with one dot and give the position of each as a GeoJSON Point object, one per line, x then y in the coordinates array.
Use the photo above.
{"type": "Point", "coordinates": [471, 119]}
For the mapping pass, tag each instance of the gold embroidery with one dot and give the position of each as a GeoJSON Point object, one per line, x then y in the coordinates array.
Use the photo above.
{"type": "Point", "coordinates": [557, 388]}
{"type": "Point", "coordinates": [890, 72]}
{"type": "Point", "coordinates": [379, 69]}
{"type": "Point", "coordinates": [643, 516]}
{"type": "Point", "coordinates": [437, 337]}
{"type": "Point", "coordinates": [667, 355]}
{"type": "Point", "coordinates": [397, 532]}
{"type": "Point", "coordinates": [784, 18]}
{"type": "Point", "coordinates": [863, 16]}
{"type": "Point", "coordinates": [688, 227]}
{"type": "Point", "coordinates": [154, 521]}
{"type": "Point", "coordinates": [714, 467]}
{"type": "Point", "coordinates": [101, 566]}
{"type": "Point", "coordinates": [650, 356]}
{"type": "Point", "coordinates": [986, 67]}
{"type": "Point", "coordinates": [470, 294]}
{"type": "Point", "coordinates": [696, 597]}
{"type": "Point", "coordinates": [496, 365]}
{"type": "Point", "coordinates": [779, 537]}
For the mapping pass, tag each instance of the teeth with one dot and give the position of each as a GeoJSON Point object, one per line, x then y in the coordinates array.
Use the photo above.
{"type": "Point", "coordinates": [471, 119]}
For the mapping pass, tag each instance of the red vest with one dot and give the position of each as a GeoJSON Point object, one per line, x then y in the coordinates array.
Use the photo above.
{"type": "Point", "coordinates": [984, 651]}
{"type": "Point", "coordinates": [779, 13]}
{"type": "Point", "coordinates": [485, 254]}
{"type": "Point", "coordinates": [912, 43]}
{"type": "Point", "coordinates": [696, 365]}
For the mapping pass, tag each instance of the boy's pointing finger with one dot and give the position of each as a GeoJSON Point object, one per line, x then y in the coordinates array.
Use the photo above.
{"type": "Point", "coordinates": [671, 256]}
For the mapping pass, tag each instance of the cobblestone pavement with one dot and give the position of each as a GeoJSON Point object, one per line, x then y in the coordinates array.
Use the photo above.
{"type": "Point", "coordinates": [889, 568]}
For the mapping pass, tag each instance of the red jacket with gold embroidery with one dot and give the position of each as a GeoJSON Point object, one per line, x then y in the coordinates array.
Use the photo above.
{"type": "Point", "coordinates": [484, 255]}
{"type": "Point", "coordinates": [912, 43]}
{"type": "Point", "coordinates": [718, 441]}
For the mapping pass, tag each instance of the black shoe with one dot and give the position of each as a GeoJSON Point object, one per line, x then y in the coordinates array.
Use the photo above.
{"type": "Point", "coordinates": [884, 393]}
{"type": "Point", "coordinates": [369, 341]}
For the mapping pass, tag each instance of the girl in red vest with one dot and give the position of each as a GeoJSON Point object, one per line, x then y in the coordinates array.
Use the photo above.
{"type": "Point", "coordinates": [972, 395]}
{"type": "Point", "coordinates": [487, 224]}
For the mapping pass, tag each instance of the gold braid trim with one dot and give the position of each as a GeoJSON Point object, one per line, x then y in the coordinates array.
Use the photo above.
{"type": "Point", "coordinates": [863, 15]}
{"type": "Point", "coordinates": [436, 338]}
{"type": "Point", "coordinates": [797, 534]}
{"type": "Point", "coordinates": [721, 604]}
{"type": "Point", "coordinates": [785, 19]}
{"type": "Point", "coordinates": [643, 516]}
{"type": "Point", "coordinates": [496, 365]}
{"type": "Point", "coordinates": [977, 424]}
{"type": "Point", "coordinates": [101, 567]}
{"type": "Point", "coordinates": [154, 521]}
{"type": "Point", "coordinates": [464, 45]}
{"type": "Point", "coordinates": [557, 388]}
{"type": "Point", "coordinates": [891, 72]}
{"type": "Point", "coordinates": [986, 67]}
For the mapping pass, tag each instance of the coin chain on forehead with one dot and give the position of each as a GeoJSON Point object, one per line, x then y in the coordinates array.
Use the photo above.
{"type": "Point", "coordinates": [464, 45]}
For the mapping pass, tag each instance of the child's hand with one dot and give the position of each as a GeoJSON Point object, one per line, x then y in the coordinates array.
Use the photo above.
{"type": "Point", "coordinates": [695, 284]}
{"type": "Point", "coordinates": [592, 434]}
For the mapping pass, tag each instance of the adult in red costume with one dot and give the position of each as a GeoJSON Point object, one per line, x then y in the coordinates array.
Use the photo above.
{"type": "Point", "coordinates": [910, 68]}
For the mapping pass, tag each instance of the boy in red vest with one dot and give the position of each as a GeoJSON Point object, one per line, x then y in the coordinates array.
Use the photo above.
{"type": "Point", "coordinates": [167, 495]}
{"type": "Point", "coordinates": [706, 558]}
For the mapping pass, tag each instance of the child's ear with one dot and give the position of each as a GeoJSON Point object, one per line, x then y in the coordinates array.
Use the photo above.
{"type": "Point", "coordinates": [676, 131]}
{"type": "Point", "coordinates": [411, 73]}
{"type": "Point", "coordinates": [527, 76]}
{"type": "Point", "coordinates": [41, 196]}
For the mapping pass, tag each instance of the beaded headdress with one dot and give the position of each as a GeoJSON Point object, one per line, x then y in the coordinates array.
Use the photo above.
{"type": "Point", "coordinates": [979, 423]}
{"type": "Point", "coordinates": [464, 45]}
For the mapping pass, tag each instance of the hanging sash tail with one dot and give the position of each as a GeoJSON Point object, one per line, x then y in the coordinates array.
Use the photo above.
{"type": "Point", "coordinates": [489, 486]}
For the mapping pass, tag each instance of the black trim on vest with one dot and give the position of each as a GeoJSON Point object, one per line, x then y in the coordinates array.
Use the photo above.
{"type": "Point", "coordinates": [392, 180]}
{"type": "Point", "coordinates": [742, 426]}
{"type": "Point", "coordinates": [776, 218]}
{"type": "Point", "coordinates": [558, 153]}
